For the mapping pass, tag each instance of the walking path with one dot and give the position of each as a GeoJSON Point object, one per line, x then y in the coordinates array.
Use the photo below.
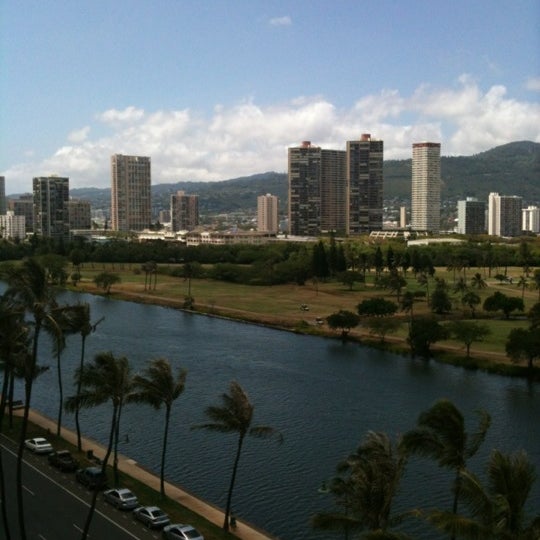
{"type": "Point", "coordinates": [130, 467]}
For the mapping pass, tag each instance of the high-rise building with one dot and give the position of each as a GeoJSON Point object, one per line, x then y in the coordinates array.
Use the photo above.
{"type": "Point", "coordinates": [471, 216]}
{"type": "Point", "coordinates": [504, 215]}
{"type": "Point", "coordinates": [3, 205]}
{"type": "Point", "coordinates": [426, 187]}
{"type": "Point", "coordinates": [12, 226]}
{"type": "Point", "coordinates": [80, 214]}
{"type": "Point", "coordinates": [51, 213]}
{"type": "Point", "coordinates": [24, 206]}
{"type": "Point", "coordinates": [531, 219]}
{"type": "Point", "coordinates": [184, 211]}
{"type": "Point", "coordinates": [267, 214]}
{"type": "Point", "coordinates": [364, 185]}
{"type": "Point", "coordinates": [317, 190]}
{"type": "Point", "coordinates": [131, 180]}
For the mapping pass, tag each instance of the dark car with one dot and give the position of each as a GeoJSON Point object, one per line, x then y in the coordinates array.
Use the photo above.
{"type": "Point", "coordinates": [63, 460]}
{"type": "Point", "coordinates": [91, 477]}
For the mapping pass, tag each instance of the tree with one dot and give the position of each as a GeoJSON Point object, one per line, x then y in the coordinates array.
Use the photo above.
{"type": "Point", "coordinates": [349, 278]}
{"type": "Point", "coordinates": [365, 488]}
{"type": "Point", "coordinates": [107, 378]}
{"type": "Point", "coordinates": [235, 415]}
{"type": "Point", "coordinates": [77, 320]}
{"type": "Point", "coordinates": [105, 280]}
{"type": "Point", "coordinates": [440, 300]}
{"type": "Point", "coordinates": [496, 511]}
{"type": "Point", "coordinates": [523, 344]}
{"type": "Point", "coordinates": [536, 281]}
{"type": "Point", "coordinates": [392, 281]}
{"type": "Point", "coordinates": [534, 315]}
{"type": "Point", "coordinates": [468, 332]}
{"type": "Point", "coordinates": [424, 332]}
{"type": "Point", "coordinates": [523, 282]}
{"type": "Point", "coordinates": [471, 300]}
{"type": "Point", "coordinates": [158, 386]}
{"type": "Point", "coordinates": [29, 288]}
{"type": "Point", "coordinates": [478, 282]}
{"type": "Point", "coordinates": [377, 307]}
{"type": "Point", "coordinates": [344, 321]}
{"type": "Point", "coordinates": [380, 326]}
{"type": "Point", "coordinates": [499, 301]}
{"type": "Point", "coordinates": [440, 435]}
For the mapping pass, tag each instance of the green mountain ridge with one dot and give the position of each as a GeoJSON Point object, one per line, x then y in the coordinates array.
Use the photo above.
{"type": "Point", "coordinates": [510, 169]}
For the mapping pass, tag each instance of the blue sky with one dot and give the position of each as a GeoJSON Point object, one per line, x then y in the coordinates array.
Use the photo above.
{"type": "Point", "coordinates": [213, 90]}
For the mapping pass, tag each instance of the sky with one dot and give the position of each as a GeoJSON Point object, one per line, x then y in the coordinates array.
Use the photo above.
{"type": "Point", "coordinates": [219, 89]}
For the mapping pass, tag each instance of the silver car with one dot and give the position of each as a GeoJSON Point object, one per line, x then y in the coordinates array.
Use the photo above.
{"type": "Point", "coordinates": [178, 531]}
{"type": "Point", "coordinates": [121, 498]}
{"type": "Point", "coordinates": [38, 445]}
{"type": "Point", "coordinates": [151, 516]}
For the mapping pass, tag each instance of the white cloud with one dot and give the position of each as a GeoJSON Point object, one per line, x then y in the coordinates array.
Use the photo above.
{"type": "Point", "coordinates": [533, 83]}
{"type": "Point", "coordinates": [281, 21]}
{"type": "Point", "coordinates": [79, 135]}
{"type": "Point", "coordinates": [248, 138]}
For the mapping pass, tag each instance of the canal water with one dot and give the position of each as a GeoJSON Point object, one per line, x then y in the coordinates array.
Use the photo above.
{"type": "Point", "coordinates": [322, 395]}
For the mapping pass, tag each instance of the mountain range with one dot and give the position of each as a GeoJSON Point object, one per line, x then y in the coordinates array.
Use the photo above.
{"type": "Point", "coordinates": [510, 169]}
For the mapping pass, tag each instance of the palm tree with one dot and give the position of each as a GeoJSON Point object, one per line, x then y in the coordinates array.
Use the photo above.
{"type": "Point", "coordinates": [13, 342]}
{"type": "Point", "coordinates": [157, 386]}
{"type": "Point", "coordinates": [441, 435]}
{"type": "Point", "coordinates": [28, 286]}
{"type": "Point", "coordinates": [106, 379]}
{"type": "Point", "coordinates": [78, 321]}
{"type": "Point", "coordinates": [523, 282]}
{"type": "Point", "coordinates": [366, 494]}
{"type": "Point", "coordinates": [235, 416]}
{"type": "Point", "coordinates": [498, 511]}
{"type": "Point", "coordinates": [478, 281]}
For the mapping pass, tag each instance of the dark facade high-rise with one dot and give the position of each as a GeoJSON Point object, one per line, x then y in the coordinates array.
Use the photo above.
{"type": "Point", "coordinates": [364, 185]}
{"type": "Point", "coordinates": [184, 211]}
{"type": "Point", "coordinates": [50, 208]}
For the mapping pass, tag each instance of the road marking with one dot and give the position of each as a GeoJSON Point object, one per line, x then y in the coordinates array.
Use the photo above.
{"type": "Point", "coordinates": [29, 491]}
{"type": "Point", "coordinates": [64, 488]}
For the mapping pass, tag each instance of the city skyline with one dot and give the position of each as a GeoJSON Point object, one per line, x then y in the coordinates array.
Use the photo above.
{"type": "Point", "coordinates": [217, 93]}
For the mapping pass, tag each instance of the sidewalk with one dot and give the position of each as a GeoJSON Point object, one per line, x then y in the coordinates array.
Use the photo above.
{"type": "Point", "coordinates": [132, 468]}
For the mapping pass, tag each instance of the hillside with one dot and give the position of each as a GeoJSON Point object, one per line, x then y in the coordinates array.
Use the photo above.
{"type": "Point", "coordinates": [510, 169]}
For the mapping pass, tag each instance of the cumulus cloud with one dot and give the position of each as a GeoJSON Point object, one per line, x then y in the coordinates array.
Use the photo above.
{"type": "Point", "coordinates": [79, 135]}
{"type": "Point", "coordinates": [281, 21]}
{"type": "Point", "coordinates": [249, 138]}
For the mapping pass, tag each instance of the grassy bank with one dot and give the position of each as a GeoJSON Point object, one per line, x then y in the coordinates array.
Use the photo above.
{"type": "Point", "coordinates": [279, 306]}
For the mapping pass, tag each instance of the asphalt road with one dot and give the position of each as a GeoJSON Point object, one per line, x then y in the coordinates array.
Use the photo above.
{"type": "Point", "coordinates": [56, 506]}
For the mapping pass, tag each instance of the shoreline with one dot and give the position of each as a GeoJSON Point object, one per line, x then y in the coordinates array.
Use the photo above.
{"type": "Point", "coordinates": [489, 362]}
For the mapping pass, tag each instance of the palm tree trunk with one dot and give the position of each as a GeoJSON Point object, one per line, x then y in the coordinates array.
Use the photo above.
{"type": "Point", "coordinates": [116, 437]}
{"type": "Point", "coordinates": [231, 486]}
{"type": "Point", "coordinates": [79, 385]}
{"type": "Point", "coordinates": [29, 380]}
{"type": "Point", "coordinates": [3, 497]}
{"type": "Point", "coordinates": [61, 395]}
{"type": "Point", "coordinates": [164, 450]}
{"type": "Point", "coordinates": [103, 471]}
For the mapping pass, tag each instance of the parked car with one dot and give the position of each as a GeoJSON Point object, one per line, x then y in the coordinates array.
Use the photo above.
{"type": "Point", "coordinates": [38, 445]}
{"type": "Point", "coordinates": [179, 531]}
{"type": "Point", "coordinates": [121, 498]}
{"type": "Point", "coordinates": [63, 460]}
{"type": "Point", "coordinates": [151, 516]}
{"type": "Point", "coordinates": [91, 477]}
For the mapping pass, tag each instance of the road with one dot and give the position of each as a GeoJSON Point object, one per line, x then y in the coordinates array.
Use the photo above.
{"type": "Point", "coordinates": [56, 506]}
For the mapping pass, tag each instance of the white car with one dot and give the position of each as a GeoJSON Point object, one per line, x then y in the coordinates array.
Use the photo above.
{"type": "Point", "coordinates": [151, 516]}
{"type": "Point", "coordinates": [121, 498]}
{"type": "Point", "coordinates": [178, 531]}
{"type": "Point", "coordinates": [38, 445]}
